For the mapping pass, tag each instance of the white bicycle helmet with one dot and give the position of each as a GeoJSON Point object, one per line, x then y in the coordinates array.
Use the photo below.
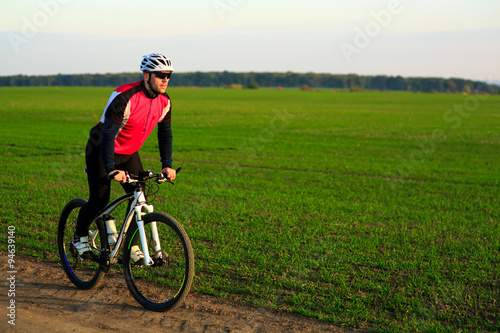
{"type": "Point", "coordinates": [156, 62]}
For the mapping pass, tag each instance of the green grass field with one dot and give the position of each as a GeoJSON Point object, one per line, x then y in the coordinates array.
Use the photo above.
{"type": "Point", "coordinates": [372, 210]}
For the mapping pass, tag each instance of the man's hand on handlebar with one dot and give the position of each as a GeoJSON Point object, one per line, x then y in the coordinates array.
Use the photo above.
{"type": "Point", "coordinates": [169, 173]}
{"type": "Point", "coordinates": [118, 175]}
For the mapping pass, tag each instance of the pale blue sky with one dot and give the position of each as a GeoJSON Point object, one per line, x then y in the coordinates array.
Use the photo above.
{"type": "Point", "coordinates": [392, 37]}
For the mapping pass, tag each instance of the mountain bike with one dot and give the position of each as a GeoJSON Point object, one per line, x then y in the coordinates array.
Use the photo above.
{"type": "Point", "coordinates": [162, 280]}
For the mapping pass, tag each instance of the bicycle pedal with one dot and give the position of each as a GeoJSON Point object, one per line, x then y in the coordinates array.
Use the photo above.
{"type": "Point", "coordinates": [104, 261]}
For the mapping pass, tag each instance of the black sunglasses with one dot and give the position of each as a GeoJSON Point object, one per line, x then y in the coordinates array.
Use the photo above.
{"type": "Point", "coordinates": [163, 75]}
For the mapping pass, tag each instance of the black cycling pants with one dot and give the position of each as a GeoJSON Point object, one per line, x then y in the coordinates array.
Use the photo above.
{"type": "Point", "coordinates": [100, 185]}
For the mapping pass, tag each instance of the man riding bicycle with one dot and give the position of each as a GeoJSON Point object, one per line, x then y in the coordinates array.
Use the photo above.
{"type": "Point", "coordinates": [131, 114]}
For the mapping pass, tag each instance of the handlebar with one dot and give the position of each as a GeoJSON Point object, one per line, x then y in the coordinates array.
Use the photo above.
{"type": "Point", "coordinates": [144, 176]}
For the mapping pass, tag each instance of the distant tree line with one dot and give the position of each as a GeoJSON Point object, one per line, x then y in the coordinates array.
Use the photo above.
{"type": "Point", "coordinates": [254, 80]}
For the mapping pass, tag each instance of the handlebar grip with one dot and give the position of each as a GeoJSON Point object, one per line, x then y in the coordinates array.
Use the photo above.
{"type": "Point", "coordinates": [176, 171]}
{"type": "Point", "coordinates": [112, 175]}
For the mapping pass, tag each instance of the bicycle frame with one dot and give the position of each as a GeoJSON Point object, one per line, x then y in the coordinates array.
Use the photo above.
{"type": "Point", "coordinates": [137, 208]}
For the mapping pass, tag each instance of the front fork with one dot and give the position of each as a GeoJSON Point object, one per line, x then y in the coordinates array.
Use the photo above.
{"type": "Point", "coordinates": [142, 233]}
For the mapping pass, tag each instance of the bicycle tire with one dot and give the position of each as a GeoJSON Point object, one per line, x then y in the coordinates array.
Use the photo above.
{"type": "Point", "coordinates": [164, 285]}
{"type": "Point", "coordinates": [84, 274]}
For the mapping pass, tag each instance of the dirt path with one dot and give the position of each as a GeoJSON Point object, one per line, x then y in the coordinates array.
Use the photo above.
{"type": "Point", "coordinates": [45, 301]}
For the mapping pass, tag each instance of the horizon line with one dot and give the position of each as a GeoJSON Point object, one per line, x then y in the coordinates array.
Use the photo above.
{"type": "Point", "coordinates": [269, 72]}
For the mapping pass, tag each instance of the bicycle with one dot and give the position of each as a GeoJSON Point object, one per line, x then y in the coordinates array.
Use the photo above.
{"type": "Point", "coordinates": [168, 255]}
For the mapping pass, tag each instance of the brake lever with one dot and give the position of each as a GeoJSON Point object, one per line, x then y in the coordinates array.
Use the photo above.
{"type": "Point", "coordinates": [163, 179]}
{"type": "Point", "coordinates": [127, 176]}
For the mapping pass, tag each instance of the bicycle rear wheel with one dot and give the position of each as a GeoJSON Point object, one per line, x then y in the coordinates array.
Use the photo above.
{"type": "Point", "coordinates": [165, 284]}
{"type": "Point", "coordinates": [84, 274]}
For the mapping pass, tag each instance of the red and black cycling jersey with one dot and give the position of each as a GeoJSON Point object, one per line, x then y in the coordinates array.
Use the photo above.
{"type": "Point", "coordinates": [129, 117]}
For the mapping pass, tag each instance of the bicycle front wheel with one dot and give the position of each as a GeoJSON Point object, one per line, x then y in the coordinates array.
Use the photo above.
{"type": "Point", "coordinates": [84, 274]}
{"type": "Point", "coordinates": [165, 284]}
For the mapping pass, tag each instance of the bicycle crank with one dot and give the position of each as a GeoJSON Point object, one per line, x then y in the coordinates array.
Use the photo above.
{"type": "Point", "coordinates": [104, 261]}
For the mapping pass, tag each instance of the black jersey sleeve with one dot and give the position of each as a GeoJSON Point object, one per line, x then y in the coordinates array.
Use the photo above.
{"type": "Point", "coordinates": [109, 132]}
{"type": "Point", "coordinates": [165, 143]}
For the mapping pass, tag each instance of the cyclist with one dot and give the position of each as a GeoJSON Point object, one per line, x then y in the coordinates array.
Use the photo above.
{"type": "Point", "coordinates": [131, 114]}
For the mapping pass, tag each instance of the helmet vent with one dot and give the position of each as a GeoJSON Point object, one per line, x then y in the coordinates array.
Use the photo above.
{"type": "Point", "coordinates": [156, 62]}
